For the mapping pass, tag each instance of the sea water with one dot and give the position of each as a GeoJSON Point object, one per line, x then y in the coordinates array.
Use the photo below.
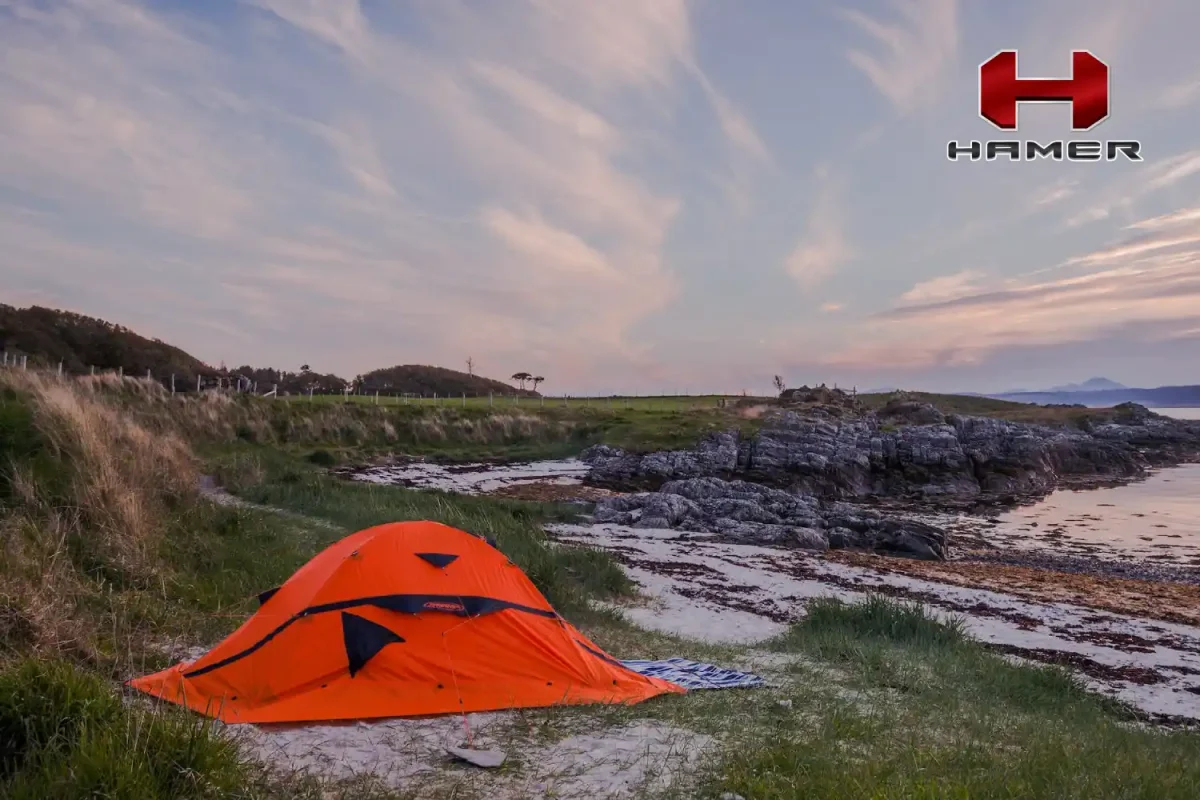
{"type": "Point", "coordinates": [1156, 519]}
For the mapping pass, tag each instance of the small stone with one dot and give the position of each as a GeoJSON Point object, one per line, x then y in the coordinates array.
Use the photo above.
{"type": "Point", "coordinates": [731, 796]}
{"type": "Point", "coordinates": [785, 703]}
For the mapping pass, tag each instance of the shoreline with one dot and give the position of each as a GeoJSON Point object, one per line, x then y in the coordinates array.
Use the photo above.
{"type": "Point", "coordinates": [1136, 641]}
{"type": "Point", "coordinates": [567, 481]}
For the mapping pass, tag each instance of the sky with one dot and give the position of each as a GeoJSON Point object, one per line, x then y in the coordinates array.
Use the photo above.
{"type": "Point", "coordinates": [620, 195]}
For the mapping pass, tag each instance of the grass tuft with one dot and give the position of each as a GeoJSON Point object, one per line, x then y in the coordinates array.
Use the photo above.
{"type": "Point", "coordinates": [875, 618]}
{"type": "Point", "coordinates": [64, 732]}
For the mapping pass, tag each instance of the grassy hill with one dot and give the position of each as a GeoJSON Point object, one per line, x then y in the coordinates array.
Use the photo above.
{"type": "Point", "coordinates": [421, 379]}
{"type": "Point", "coordinates": [49, 336]}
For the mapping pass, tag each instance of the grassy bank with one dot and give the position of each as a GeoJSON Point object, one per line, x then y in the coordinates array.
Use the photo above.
{"type": "Point", "coordinates": [113, 562]}
{"type": "Point", "coordinates": [109, 555]}
{"type": "Point", "coordinates": [918, 710]}
{"type": "Point", "coordinates": [448, 430]}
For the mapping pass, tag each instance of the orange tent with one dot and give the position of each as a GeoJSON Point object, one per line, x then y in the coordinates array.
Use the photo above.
{"type": "Point", "coordinates": [403, 619]}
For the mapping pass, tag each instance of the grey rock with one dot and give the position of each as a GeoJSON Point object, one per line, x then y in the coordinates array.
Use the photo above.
{"type": "Point", "coordinates": [802, 479]}
{"type": "Point", "coordinates": [907, 450]}
{"type": "Point", "coordinates": [749, 513]}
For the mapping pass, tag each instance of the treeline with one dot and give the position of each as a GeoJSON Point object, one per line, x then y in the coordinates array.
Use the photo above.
{"type": "Point", "coordinates": [286, 382]}
{"type": "Point", "coordinates": [50, 337]}
{"type": "Point", "coordinates": [426, 380]}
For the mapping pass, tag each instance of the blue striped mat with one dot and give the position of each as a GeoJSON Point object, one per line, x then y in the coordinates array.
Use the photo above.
{"type": "Point", "coordinates": [693, 675]}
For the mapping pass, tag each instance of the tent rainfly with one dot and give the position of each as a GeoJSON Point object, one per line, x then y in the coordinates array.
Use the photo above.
{"type": "Point", "coordinates": [402, 619]}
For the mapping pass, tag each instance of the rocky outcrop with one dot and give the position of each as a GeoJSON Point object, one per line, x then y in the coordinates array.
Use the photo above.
{"type": "Point", "coordinates": [948, 461]}
{"type": "Point", "coordinates": [716, 455]}
{"type": "Point", "coordinates": [748, 512]}
{"type": "Point", "coordinates": [802, 480]}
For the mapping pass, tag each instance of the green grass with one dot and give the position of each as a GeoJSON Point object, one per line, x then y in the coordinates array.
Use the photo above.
{"type": "Point", "coordinates": [499, 402]}
{"type": "Point", "coordinates": [947, 403]}
{"type": "Point", "coordinates": [919, 710]}
{"type": "Point", "coordinates": [450, 431]}
{"type": "Point", "coordinates": [967, 405]}
{"type": "Point", "coordinates": [64, 733]}
{"type": "Point", "coordinates": [567, 576]}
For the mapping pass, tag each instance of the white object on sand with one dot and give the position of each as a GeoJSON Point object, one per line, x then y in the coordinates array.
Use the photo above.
{"type": "Point", "coordinates": [489, 759]}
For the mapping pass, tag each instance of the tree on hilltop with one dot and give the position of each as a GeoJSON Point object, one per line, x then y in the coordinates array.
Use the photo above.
{"type": "Point", "coordinates": [521, 377]}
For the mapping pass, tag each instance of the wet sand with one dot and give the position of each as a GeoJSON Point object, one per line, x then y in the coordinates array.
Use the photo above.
{"type": "Point", "coordinates": [700, 587]}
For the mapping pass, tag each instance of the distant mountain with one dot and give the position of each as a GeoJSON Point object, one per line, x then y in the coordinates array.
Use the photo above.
{"type": "Point", "coordinates": [1090, 385]}
{"type": "Point", "coordinates": [1162, 397]}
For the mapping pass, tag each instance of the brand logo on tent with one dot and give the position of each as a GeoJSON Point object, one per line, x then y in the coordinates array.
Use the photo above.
{"type": "Point", "coordinates": [1001, 94]}
{"type": "Point", "coordinates": [437, 605]}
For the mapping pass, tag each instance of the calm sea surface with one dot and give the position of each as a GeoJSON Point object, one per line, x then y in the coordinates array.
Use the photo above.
{"type": "Point", "coordinates": [1178, 413]}
{"type": "Point", "coordinates": [1156, 519]}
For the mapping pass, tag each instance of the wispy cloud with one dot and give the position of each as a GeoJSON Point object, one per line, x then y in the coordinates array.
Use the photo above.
{"type": "Point", "coordinates": [1175, 218]}
{"type": "Point", "coordinates": [572, 183]}
{"type": "Point", "coordinates": [1054, 193]}
{"type": "Point", "coordinates": [339, 22]}
{"type": "Point", "coordinates": [912, 53]}
{"type": "Point", "coordinates": [824, 246]}
{"type": "Point", "coordinates": [945, 287]}
{"type": "Point", "coordinates": [1125, 193]}
{"type": "Point", "coordinates": [963, 319]}
{"type": "Point", "coordinates": [1179, 95]}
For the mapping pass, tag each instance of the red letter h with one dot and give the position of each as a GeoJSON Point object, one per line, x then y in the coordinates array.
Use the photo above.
{"type": "Point", "coordinates": [1001, 91]}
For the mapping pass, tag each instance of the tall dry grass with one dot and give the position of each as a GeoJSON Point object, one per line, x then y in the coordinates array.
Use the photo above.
{"type": "Point", "coordinates": [86, 507]}
{"type": "Point", "coordinates": [107, 474]}
{"type": "Point", "coordinates": [216, 417]}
